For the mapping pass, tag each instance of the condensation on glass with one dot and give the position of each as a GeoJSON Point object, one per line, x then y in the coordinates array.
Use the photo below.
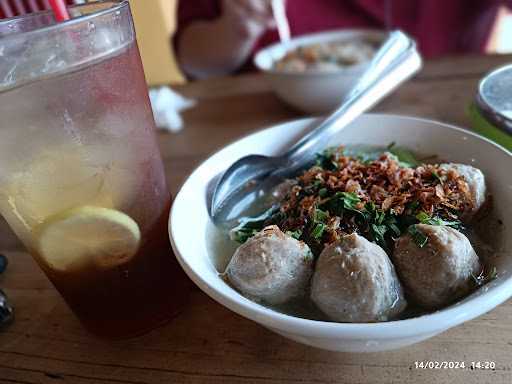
{"type": "Point", "coordinates": [76, 129]}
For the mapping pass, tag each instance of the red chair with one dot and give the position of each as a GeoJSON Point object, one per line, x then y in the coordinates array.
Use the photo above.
{"type": "Point", "coordinates": [11, 8]}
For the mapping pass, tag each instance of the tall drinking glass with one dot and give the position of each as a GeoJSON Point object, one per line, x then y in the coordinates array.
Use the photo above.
{"type": "Point", "coordinates": [81, 178]}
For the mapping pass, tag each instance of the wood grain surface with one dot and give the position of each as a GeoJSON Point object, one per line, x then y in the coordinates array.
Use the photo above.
{"type": "Point", "coordinates": [209, 344]}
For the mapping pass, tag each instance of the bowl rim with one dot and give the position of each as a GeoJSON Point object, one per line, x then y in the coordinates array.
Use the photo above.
{"type": "Point", "coordinates": [430, 323]}
{"type": "Point", "coordinates": [311, 38]}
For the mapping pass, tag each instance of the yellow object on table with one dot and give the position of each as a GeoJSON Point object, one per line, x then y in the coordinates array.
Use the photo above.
{"type": "Point", "coordinates": [155, 22]}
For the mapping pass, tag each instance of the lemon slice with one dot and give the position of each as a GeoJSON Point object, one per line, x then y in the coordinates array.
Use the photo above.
{"type": "Point", "coordinates": [87, 235]}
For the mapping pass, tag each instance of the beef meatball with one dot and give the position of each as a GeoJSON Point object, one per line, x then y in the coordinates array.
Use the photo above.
{"type": "Point", "coordinates": [439, 272]}
{"type": "Point", "coordinates": [271, 267]}
{"type": "Point", "coordinates": [354, 281]}
{"type": "Point", "coordinates": [476, 183]}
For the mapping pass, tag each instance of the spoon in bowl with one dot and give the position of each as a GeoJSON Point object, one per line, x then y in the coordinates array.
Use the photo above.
{"type": "Point", "coordinates": [252, 177]}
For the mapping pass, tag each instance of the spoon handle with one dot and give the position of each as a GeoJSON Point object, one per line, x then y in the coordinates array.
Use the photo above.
{"type": "Point", "coordinates": [394, 63]}
{"type": "Point", "coordinates": [283, 27]}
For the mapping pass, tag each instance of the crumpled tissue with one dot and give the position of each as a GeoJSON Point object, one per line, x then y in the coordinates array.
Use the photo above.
{"type": "Point", "coordinates": [167, 105]}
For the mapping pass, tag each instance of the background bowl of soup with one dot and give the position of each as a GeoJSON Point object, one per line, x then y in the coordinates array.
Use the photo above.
{"type": "Point", "coordinates": [313, 73]}
{"type": "Point", "coordinates": [203, 250]}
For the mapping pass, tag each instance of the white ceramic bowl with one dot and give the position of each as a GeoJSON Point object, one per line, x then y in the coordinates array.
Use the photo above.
{"type": "Point", "coordinates": [189, 221]}
{"type": "Point", "coordinates": [313, 92]}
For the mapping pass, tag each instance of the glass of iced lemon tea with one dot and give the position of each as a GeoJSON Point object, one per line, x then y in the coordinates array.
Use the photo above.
{"type": "Point", "coordinates": [81, 178]}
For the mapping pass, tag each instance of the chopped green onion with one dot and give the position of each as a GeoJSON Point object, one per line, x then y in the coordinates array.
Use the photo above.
{"type": "Point", "coordinates": [342, 201]}
{"type": "Point", "coordinates": [424, 218]}
{"type": "Point", "coordinates": [242, 235]}
{"type": "Point", "coordinates": [318, 231]}
{"type": "Point", "coordinates": [394, 228]}
{"type": "Point", "coordinates": [413, 206]}
{"type": "Point", "coordinates": [319, 215]}
{"type": "Point", "coordinates": [419, 238]}
{"type": "Point", "coordinates": [296, 234]}
{"type": "Point", "coordinates": [325, 159]}
{"type": "Point", "coordinates": [436, 176]}
{"type": "Point", "coordinates": [350, 200]}
{"type": "Point", "coordinates": [378, 233]}
{"type": "Point", "coordinates": [249, 226]}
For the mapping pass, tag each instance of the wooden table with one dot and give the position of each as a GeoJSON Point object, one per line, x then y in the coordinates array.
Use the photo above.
{"type": "Point", "coordinates": [209, 344]}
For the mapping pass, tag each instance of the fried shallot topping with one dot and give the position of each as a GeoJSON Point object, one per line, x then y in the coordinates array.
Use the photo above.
{"type": "Point", "coordinates": [391, 187]}
{"type": "Point", "coordinates": [380, 198]}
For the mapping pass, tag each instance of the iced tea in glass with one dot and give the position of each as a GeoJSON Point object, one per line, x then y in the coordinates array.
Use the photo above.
{"type": "Point", "coordinates": [82, 182]}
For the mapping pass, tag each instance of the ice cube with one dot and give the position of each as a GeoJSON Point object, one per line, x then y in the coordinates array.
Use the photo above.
{"type": "Point", "coordinates": [56, 180]}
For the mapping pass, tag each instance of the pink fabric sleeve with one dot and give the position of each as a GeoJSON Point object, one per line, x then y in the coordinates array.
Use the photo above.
{"type": "Point", "coordinates": [439, 26]}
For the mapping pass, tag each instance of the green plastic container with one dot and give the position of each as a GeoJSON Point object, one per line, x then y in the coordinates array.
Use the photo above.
{"type": "Point", "coordinates": [491, 113]}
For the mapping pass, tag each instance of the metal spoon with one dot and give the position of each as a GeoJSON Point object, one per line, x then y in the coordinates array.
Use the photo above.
{"type": "Point", "coordinates": [254, 176]}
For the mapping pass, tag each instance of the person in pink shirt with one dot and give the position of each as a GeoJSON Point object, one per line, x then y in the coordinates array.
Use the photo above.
{"type": "Point", "coordinates": [218, 37]}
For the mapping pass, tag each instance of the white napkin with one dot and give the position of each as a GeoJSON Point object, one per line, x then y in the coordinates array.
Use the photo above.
{"type": "Point", "coordinates": [167, 106]}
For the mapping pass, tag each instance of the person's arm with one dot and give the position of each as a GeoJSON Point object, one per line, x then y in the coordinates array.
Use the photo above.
{"type": "Point", "coordinates": [221, 46]}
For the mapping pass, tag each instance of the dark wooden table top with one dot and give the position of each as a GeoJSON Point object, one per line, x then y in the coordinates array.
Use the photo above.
{"type": "Point", "coordinates": [209, 344]}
